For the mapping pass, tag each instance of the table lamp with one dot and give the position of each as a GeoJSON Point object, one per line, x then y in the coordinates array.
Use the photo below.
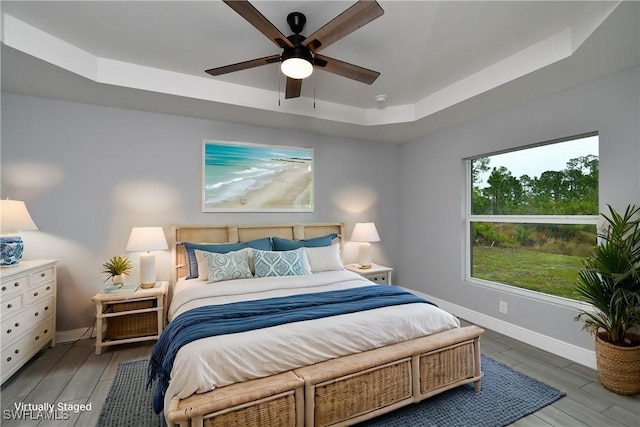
{"type": "Point", "coordinates": [14, 216]}
{"type": "Point", "coordinates": [146, 239]}
{"type": "Point", "coordinates": [365, 232]}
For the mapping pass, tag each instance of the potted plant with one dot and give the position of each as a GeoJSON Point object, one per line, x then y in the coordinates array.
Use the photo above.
{"type": "Point", "coordinates": [610, 282]}
{"type": "Point", "coordinates": [117, 268]}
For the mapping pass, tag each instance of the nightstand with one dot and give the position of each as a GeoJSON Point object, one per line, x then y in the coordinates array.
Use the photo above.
{"type": "Point", "coordinates": [130, 317]}
{"type": "Point", "coordinates": [377, 273]}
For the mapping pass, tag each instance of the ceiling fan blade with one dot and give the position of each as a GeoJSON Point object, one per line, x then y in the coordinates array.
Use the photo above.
{"type": "Point", "coordinates": [345, 69]}
{"type": "Point", "coordinates": [243, 65]}
{"type": "Point", "coordinates": [347, 22]}
{"type": "Point", "coordinates": [262, 24]}
{"type": "Point", "coordinates": [293, 88]}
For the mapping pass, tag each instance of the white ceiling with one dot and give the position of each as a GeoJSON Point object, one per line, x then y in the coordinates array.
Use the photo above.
{"type": "Point", "coordinates": [441, 62]}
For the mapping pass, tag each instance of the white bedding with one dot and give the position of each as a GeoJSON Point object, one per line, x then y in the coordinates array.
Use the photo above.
{"type": "Point", "coordinates": [213, 362]}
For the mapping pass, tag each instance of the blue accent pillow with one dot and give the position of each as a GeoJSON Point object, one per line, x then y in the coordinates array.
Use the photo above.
{"type": "Point", "coordinates": [263, 244]}
{"type": "Point", "coordinates": [289, 245]}
{"type": "Point", "coordinates": [282, 263]}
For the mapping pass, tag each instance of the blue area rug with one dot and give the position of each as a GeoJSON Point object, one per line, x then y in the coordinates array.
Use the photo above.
{"type": "Point", "coordinates": [129, 403]}
{"type": "Point", "coordinates": [506, 396]}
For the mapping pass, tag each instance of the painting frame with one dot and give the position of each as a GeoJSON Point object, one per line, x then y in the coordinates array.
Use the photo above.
{"type": "Point", "coordinates": [252, 177]}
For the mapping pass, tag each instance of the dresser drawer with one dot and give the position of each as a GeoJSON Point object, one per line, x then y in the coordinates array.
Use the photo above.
{"type": "Point", "coordinates": [35, 294]}
{"type": "Point", "coordinates": [42, 276]}
{"type": "Point", "coordinates": [10, 306]}
{"type": "Point", "coordinates": [18, 284]}
{"type": "Point", "coordinates": [15, 354]}
{"type": "Point", "coordinates": [41, 309]}
{"type": "Point", "coordinates": [15, 326]}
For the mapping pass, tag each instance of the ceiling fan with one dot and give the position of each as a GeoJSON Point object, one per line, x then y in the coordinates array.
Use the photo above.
{"type": "Point", "coordinates": [300, 54]}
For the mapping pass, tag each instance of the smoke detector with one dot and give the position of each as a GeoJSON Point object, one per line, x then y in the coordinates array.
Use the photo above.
{"type": "Point", "coordinates": [381, 99]}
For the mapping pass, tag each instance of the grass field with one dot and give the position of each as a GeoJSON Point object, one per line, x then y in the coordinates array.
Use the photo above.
{"type": "Point", "coordinates": [553, 274]}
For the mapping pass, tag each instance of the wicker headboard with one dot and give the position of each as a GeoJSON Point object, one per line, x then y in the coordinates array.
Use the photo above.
{"type": "Point", "coordinates": [241, 233]}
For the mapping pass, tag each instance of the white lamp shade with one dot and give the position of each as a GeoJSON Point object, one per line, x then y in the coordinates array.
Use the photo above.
{"type": "Point", "coordinates": [147, 239]}
{"type": "Point", "coordinates": [365, 232]}
{"type": "Point", "coordinates": [14, 216]}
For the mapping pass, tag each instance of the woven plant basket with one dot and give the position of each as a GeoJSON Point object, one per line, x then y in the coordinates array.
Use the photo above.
{"type": "Point", "coordinates": [618, 367]}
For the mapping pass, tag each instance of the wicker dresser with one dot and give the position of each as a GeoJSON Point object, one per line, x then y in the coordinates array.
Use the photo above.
{"type": "Point", "coordinates": [130, 317]}
{"type": "Point", "coordinates": [28, 312]}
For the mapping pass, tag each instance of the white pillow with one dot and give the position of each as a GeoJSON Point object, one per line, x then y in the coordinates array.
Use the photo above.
{"type": "Point", "coordinates": [203, 269]}
{"type": "Point", "coordinates": [325, 258]}
{"type": "Point", "coordinates": [229, 266]}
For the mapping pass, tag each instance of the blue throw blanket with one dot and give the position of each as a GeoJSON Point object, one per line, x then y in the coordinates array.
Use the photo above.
{"type": "Point", "coordinates": [244, 316]}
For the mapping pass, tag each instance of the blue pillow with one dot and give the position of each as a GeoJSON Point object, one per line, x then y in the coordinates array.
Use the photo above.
{"type": "Point", "coordinates": [263, 244]}
{"type": "Point", "coordinates": [289, 245]}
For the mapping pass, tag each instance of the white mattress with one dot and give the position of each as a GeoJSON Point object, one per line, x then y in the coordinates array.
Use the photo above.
{"type": "Point", "coordinates": [213, 362]}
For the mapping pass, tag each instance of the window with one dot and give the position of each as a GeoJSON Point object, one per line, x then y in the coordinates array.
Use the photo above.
{"type": "Point", "coordinates": [532, 215]}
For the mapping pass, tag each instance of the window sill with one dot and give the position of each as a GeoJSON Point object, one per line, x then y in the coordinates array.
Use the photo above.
{"type": "Point", "coordinates": [525, 293]}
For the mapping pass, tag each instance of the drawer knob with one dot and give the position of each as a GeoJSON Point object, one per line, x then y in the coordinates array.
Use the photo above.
{"type": "Point", "coordinates": [37, 337]}
{"type": "Point", "coordinates": [17, 351]}
{"type": "Point", "coordinates": [9, 359]}
{"type": "Point", "coordinates": [35, 294]}
{"type": "Point", "coordinates": [9, 305]}
{"type": "Point", "coordinates": [43, 274]}
{"type": "Point", "coordinates": [46, 331]}
{"type": "Point", "coordinates": [16, 284]}
{"type": "Point", "coordinates": [46, 308]}
{"type": "Point", "coordinates": [48, 288]}
{"type": "Point", "coordinates": [4, 288]}
{"type": "Point", "coordinates": [36, 314]}
{"type": "Point", "coordinates": [17, 324]}
{"type": "Point", "coordinates": [8, 331]}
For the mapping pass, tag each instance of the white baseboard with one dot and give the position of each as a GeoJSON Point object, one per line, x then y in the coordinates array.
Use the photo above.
{"type": "Point", "coordinates": [572, 352]}
{"type": "Point", "coordinates": [72, 335]}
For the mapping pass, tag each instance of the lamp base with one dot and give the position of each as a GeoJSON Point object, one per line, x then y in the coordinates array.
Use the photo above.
{"type": "Point", "coordinates": [364, 256]}
{"type": "Point", "coordinates": [11, 248]}
{"type": "Point", "coordinates": [147, 270]}
{"type": "Point", "coordinates": [147, 285]}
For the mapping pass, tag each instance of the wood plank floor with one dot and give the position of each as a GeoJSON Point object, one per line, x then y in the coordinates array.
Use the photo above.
{"type": "Point", "coordinates": [72, 373]}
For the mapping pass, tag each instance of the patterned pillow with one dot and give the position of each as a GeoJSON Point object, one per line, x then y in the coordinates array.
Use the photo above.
{"type": "Point", "coordinates": [282, 263]}
{"type": "Point", "coordinates": [229, 266]}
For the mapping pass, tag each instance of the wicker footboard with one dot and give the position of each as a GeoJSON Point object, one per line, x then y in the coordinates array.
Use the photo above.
{"type": "Point", "coordinates": [272, 401]}
{"type": "Point", "coordinates": [345, 390]}
{"type": "Point", "coordinates": [361, 386]}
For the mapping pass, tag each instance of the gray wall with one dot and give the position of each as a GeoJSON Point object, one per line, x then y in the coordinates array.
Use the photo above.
{"type": "Point", "coordinates": [89, 173]}
{"type": "Point", "coordinates": [92, 173]}
{"type": "Point", "coordinates": [432, 183]}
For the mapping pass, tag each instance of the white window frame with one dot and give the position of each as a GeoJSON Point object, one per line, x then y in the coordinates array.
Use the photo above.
{"type": "Point", "coordinates": [519, 219]}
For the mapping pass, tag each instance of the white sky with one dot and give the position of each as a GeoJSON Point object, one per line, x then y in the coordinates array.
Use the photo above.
{"type": "Point", "coordinates": [535, 161]}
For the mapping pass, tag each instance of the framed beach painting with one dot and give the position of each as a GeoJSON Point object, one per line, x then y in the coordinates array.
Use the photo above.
{"type": "Point", "coordinates": [246, 177]}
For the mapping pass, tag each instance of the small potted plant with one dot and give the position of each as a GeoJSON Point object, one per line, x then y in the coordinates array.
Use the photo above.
{"type": "Point", "coordinates": [610, 282]}
{"type": "Point", "coordinates": [117, 268]}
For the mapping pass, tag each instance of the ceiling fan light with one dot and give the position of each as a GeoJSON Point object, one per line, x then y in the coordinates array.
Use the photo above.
{"type": "Point", "coordinates": [296, 68]}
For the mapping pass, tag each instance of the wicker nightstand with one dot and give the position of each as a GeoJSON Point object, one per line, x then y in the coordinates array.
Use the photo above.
{"type": "Point", "coordinates": [131, 317]}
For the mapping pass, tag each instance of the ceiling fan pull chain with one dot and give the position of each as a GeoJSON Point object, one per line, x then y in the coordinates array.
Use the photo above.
{"type": "Point", "coordinates": [279, 79]}
{"type": "Point", "coordinates": [314, 92]}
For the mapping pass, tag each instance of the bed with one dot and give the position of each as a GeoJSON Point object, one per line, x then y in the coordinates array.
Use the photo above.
{"type": "Point", "coordinates": [339, 368]}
